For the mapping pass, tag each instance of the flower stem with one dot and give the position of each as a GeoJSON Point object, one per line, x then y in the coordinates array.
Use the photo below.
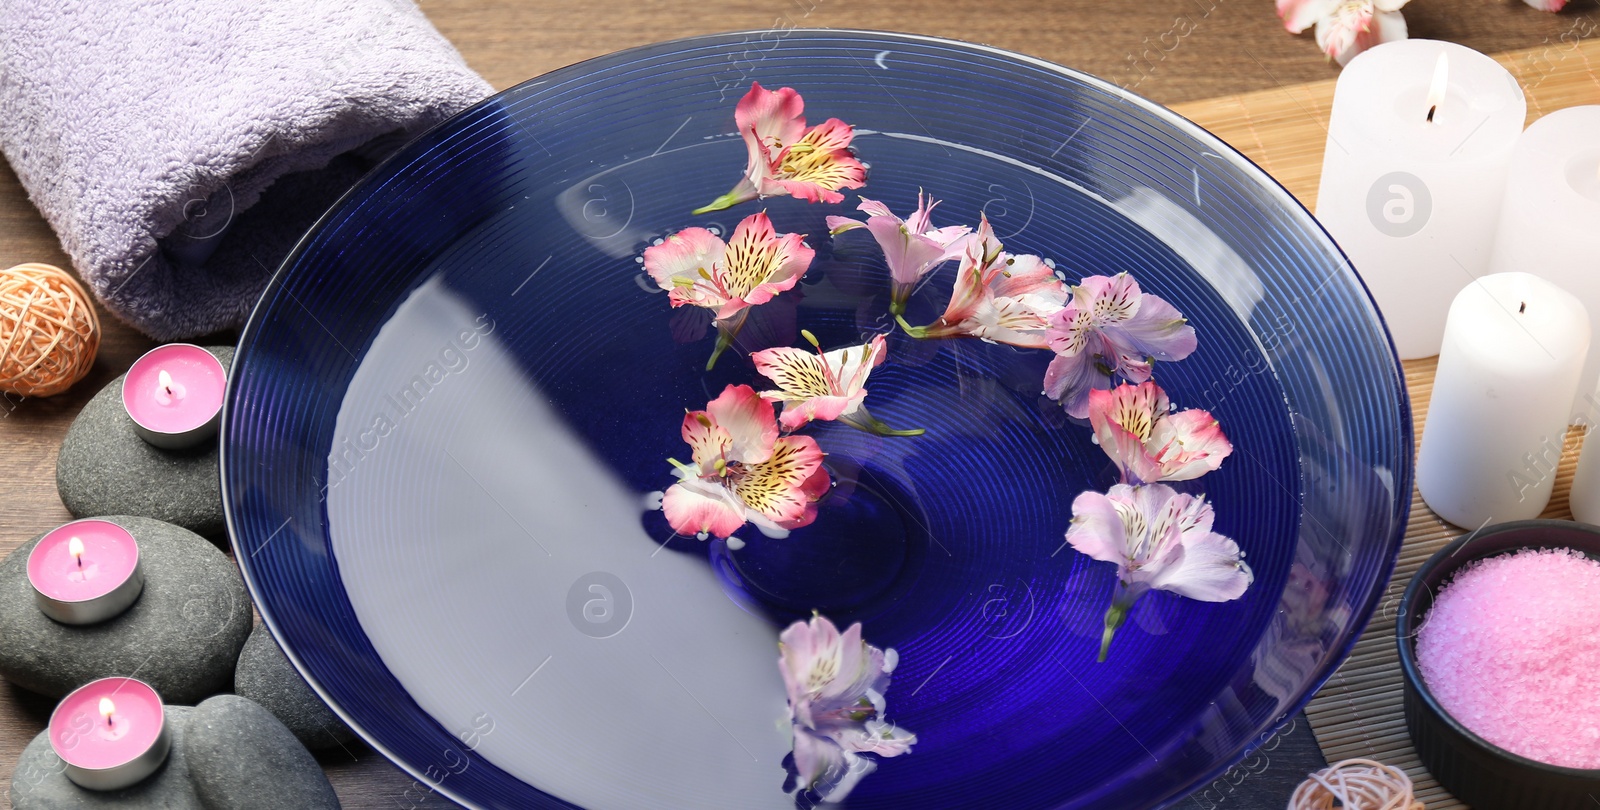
{"type": "Point", "coordinates": [726, 334]}
{"type": "Point", "coordinates": [743, 192]}
{"type": "Point", "coordinates": [918, 332]}
{"type": "Point", "coordinates": [867, 423]}
{"type": "Point", "coordinates": [1116, 616]}
{"type": "Point", "coordinates": [724, 340]}
{"type": "Point", "coordinates": [897, 300]}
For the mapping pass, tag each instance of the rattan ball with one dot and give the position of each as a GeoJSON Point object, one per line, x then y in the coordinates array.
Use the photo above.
{"type": "Point", "coordinates": [49, 331]}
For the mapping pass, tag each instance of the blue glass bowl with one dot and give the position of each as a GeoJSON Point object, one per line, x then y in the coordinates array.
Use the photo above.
{"type": "Point", "coordinates": [451, 402]}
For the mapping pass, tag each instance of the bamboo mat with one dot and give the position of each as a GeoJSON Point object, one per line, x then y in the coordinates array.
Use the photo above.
{"type": "Point", "coordinates": [1358, 713]}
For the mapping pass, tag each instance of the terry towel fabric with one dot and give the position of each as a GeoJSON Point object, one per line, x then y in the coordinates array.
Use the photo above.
{"type": "Point", "coordinates": [181, 147]}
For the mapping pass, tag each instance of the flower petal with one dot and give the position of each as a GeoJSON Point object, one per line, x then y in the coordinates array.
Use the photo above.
{"type": "Point", "coordinates": [1071, 330]}
{"type": "Point", "coordinates": [759, 263]}
{"type": "Point", "coordinates": [873, 208]}
{"type": "Point", "coordinates": [819, 760]}
{"type": "Point", "coordinates": [707, 440]}
{"type": "Point", "coordinates": [879, 737]}
{"type": "Point", "coordinates": [684, 265]}
{"type": "Point", "coordinates": [776, 488]}
{"type": "Point", "coordinates": [1210, 570]}
{"type": "Point", "coordinates": [797, 415]}
{"type": "Point", "coordinates": [1013, 321]}
{"type": "Point", "coordinates": [1387, 26]}
{"type": "Point", "coordinates": [838, 225]}
{"type": "Point", "coordinates": [694, 507]}
{"type": "Point", "coordinates": [798, 372]}
{"type": "Point", "coordinates": [1029, 275]}
{"type": "Point", "coordinates": [852, 365]}
{"type": "Point", "coordinates": [1188, 444]}
{"type": "Point", "coordinates": [1159, 331]}
{"type": "Point", "coordinates": [1097, 530]}
{"type": "Point", "coordinates": [749, 421]}
{"type": "Point", "coordinates": [1108, 299]}
{"type": "Point", "coordinates": [907, 254]}
{"type": "Point", "coordinates": [1298, 15]}
{"type": "Point", "coordinates": [769, 120]}
{"type": "Point", "coordinates": [1123, 419]}
{"type": "Point", "coordinates": [1070, 379]}
{"type": "Point", "coordinates": [820, 163]}
{"type": "Point", "coordinates": [1346, 31]}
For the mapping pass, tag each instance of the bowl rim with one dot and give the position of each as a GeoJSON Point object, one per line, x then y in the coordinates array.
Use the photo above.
{"type": "Point", "coordinates": [1400, 516]}
{"type": "Point", "coordinates": [1405, 634]}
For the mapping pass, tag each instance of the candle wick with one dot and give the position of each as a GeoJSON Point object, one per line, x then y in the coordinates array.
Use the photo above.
{"type": "Point", "coordinates": [1523, 308]}
{"type": "Point", "coordinates": [1431, 111]}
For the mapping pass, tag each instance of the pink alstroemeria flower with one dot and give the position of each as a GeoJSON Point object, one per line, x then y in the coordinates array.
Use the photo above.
{"type": "Point", "coordinates": [743, 471]}
{"type": "Point", "coordinates": [824, 385]}
{"type": "Point", "coordinates": [997, 296]}
{"type": "Point", "coordinates": [911, 247]}
{"type": "Point", "coordinates": [1158, 539]}
{"type": "Point", "coordinates": [836, 683]}
{"type": "Point", "coordinates": [785, 157]}
{"type": "Point", "coordinates": [1110, 329]}
{"type": "Point", "coordinates": [1347, 27]}
{"type": "Point", "coordinates": [698, 269]}
{"type": "Point", "coordinates": [1136, 427]}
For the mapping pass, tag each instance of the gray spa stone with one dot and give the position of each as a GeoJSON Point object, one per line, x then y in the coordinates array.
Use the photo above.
{"type": "Point", "coordinates": [40, 781]}
{"type": "Point", "coordinates": [265, 676]}
{"type": "Point", "coordinates": [242, 758]}
{"type": "Point", "coordinates": [104, 468]}
{"type": "Point", "coordinates": [182, 636]}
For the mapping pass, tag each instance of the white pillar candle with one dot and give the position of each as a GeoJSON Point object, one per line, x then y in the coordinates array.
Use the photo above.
{"type": "Point", "coordinates": [1418, 144]}
{"type": "Point", "coordinates": [1550, 221]}
{"type": "Point", "coordinates": [1513, 349]}
{"type": "Point", "coordinates": [1585, 495]}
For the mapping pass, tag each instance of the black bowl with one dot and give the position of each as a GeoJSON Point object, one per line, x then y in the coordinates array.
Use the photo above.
{"type": "Point", "coordinates": [1476, 771]}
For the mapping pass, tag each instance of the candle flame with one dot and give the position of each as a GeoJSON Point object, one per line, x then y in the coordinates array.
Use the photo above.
{"type": "Point", "coordinates": [164, 381]}
{"type": "Point", "coordinates": [1441, 83]}
{"type": "Point", "coordinates": [75, 548]}
{"type": "Point", "coordinates": [107, 708]}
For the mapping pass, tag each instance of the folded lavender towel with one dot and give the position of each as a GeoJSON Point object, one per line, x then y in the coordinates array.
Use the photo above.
{"type": "Point", "coordinates": [181, 147]}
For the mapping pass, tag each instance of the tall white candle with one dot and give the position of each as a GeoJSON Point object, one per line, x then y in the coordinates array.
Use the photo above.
{"type": "Point", "coordinates": [1585, 495]}
{"type": "Point", "coordinates": [1550, 223]}
{"type": "Point", "coordinates": [1514, 346]}
{"type": "Point", "coordinates": [1418, 144]}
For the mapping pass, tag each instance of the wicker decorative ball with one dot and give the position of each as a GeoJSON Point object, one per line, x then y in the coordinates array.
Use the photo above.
{"type": "Point", "coordinates": [49, 331]}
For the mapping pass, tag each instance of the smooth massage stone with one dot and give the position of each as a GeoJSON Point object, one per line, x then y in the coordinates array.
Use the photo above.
{"type": "Point", "coordinates": [242, 758]}
{"type": "Point", "coordinates": [265, 676]}
{"type": "Point", "coordinates": [104, 468]}
{"type": "Point", "coordinates": [182, 635]}
{"type": "Point", "coordinates": [40, 781]}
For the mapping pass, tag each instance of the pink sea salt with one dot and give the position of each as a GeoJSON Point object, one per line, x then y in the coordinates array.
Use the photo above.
{"type": "Point", "coordinates": [1511, 650]}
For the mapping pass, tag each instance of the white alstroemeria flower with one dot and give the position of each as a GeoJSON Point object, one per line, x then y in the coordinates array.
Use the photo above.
{"type": "Point", "coordinates": [1158, 539]}
{"type": "Point", "coordinates": [836, 683]}
{"type": "Point", "coordinates": [1345, 28]}
{"type": "Point", "coordinates": [912, 247]}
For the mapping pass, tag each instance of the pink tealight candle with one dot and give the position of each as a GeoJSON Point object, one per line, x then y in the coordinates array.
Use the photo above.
{"type": "Point", "coordinates": [111, 733]}
{"type": "Point", "coordinates": [173, 394]}
{"type": "Point", "coordinates": [86, 571]}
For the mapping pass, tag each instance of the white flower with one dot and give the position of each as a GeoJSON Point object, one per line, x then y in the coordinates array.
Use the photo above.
{"type": "Point", "coordinates": [836, 683]}
{"type": "Point", "coordinates": [1158, 539]}
{"type": "Point", "coordinates": [1345, 27]}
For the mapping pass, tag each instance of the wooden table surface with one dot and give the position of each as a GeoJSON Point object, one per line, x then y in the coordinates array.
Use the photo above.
{"type": "Point", "coordinates": [1169, 50]}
